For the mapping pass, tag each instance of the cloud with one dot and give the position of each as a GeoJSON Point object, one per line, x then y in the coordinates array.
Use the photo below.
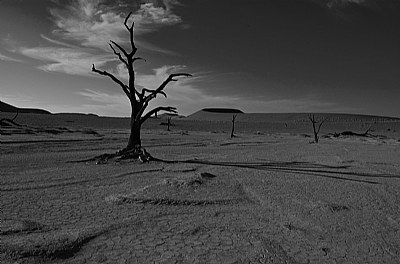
{"type": "Point", "coordinates": [343, 3]}
{"type": "Point", "coordinates": [84, 23]}
{"type": "Point", "coordinates": [98, 102]}
{"type": "Point", "coordinates": [7, 58]}
{"type": "Point", "coordinates": [59, 43]}
{"type": "Point", "coordinates": [339, 4]}
{"type": "Point", "coordinates": [92, 23]}
{"type": "Point", "coordinates": [84, 28]}
{"type": "Point", "coordinates": [65, 60]}
{"type": "Point", "coordinates": [149, 17]}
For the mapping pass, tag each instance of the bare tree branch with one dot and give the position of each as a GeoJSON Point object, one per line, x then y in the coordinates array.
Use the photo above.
{"type": "Point", "coordinates": [158, 109]}
{"type": "Point", "coordinates": [115, 79]}
{"type": "Point", "coordinates": [120, 48]}
{"type": "Point", "coordinates": [126, 21]}
{"type": "Point", "coordinates": [153, 93]}
{"type": "Point", "coordinates": [119, 55]}
{"type": "Point", "coordinates": [320, 124]}
{"type": "Point", "coordinates": [145, 90]}
{"type": "Point", "coordinates": [130, 29]}
{"type": "Point", "coordinates": [138, 58]}
{"type": "Point", "coordinates": [311, 117]}
{"type": "Point", "coordinates": [164, 84]}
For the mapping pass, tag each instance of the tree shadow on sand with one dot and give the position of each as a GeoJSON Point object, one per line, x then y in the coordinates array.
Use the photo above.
{"type": "Point", "coordinates": [303, 168]}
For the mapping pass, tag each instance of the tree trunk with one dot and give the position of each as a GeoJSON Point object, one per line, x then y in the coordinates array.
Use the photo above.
{"type": "Point", "coordinates": [316, 138]}
{"type": "Point", "coordinates": [233, 126]}
{"type": "Point", "coordinates": [134, 142]}
{"type": "Point", "coordinates": [134, 138]}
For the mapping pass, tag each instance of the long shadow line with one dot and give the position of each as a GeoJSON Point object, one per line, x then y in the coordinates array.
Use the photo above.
{"type": "Point", "coordinates": [304, 168]}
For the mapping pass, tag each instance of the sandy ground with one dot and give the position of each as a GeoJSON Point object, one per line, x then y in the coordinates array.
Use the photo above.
{"type": "Point", "coordinates": [256, 198]}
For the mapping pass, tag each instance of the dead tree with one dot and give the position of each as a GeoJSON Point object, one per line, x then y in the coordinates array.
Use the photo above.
{"type": "Point", "coordinates": [316, 129]}
{"type": "Point", "coordinates": [168, 123]}
{"type": "Point", "coordinates": [233, 125]}
{"type": "Point", "coordinates": [139, 100]}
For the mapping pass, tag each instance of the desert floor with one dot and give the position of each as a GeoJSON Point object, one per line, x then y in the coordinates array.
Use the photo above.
{"type": "Point", "coordinates": [256, 198]}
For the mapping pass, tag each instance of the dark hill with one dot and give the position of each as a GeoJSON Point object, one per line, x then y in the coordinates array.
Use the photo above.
{"type": "Point", "coordinates": [4, 107]}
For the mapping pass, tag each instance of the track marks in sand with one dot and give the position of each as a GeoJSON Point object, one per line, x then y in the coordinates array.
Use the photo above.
{"type": "Point", "coordinates": [60, 183]}
{"type": "Point", "coordinates": [177, 202]}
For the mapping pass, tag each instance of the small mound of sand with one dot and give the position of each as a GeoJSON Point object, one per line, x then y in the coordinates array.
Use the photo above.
{"type": "Point", "coordinates": [190, 181]}
{"type": "Point", "coordinates": [188, 189]}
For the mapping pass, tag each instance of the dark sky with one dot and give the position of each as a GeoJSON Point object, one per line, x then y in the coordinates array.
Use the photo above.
{"type": "Point", "coordinates": [259, 56]}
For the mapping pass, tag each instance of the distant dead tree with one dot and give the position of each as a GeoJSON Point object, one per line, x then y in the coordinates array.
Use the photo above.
{"type": "Point", "coordinates": [139, 100]}
{"type": "Point", "coordinates": [233, 125]}
{"type": "Point", "coordinates": [168, 123]}
{"type": "Point", "coordinates": [316, 123]}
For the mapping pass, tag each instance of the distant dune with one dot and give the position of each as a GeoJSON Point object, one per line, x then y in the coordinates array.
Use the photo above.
{"type": "Point", "coordinates": [223, 110]}
{"type": "Point", "coordinates": [221, 115]}
{"type": "Point", "coordinates": [4, 107]}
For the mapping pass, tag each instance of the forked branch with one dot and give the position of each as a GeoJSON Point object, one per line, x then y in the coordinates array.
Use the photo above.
{"type": "Point", "coordinates": [130, 29]}
{"type": "Point", "coordinates": [150, 91]}
{"type": "Point", "coordinates": [156, 110]}
{"type": "Point", "coordinates": [316, 130]}
{"type": "Point", "coordinates": [145, 99]}
{"type": "Point", "coordinates": [119, 47]}
{"type": "Point", "coordinates": [160, 89]}
{"type": "Point", "coordinates": [115, 79]}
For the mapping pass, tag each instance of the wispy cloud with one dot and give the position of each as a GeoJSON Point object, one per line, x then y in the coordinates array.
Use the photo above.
{"type": "Point", "coordinates": [333, 3]}
{"type": "Point", "coordinates": [101, 97]}
{"type": "Point", "coordinates": [65, 60]}
{"type": "Point", "coordinates": [8, 58]}
{"type": "Point", "coordinates": [59, 43]}
{"type": "Point", "coordinates": [339, 4]}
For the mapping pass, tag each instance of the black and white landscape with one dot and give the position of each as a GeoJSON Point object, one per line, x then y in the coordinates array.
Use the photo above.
{"type": "Point", "coordinates": [177, 131]}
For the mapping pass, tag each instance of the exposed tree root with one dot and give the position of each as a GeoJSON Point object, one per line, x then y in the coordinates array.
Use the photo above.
{"type": "Point", "coordinates": [136, 154]}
